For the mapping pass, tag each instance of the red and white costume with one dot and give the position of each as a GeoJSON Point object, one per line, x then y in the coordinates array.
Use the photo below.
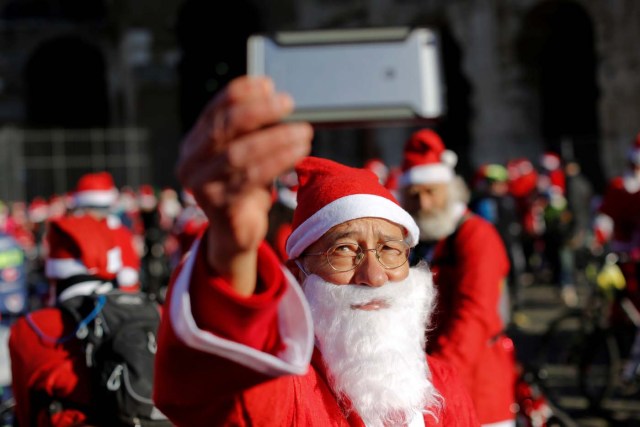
{"type": "Point", "coordinates": [470, 266]}
{"type": "Point", "coordinates": [618, 220]}
{"type": "Point", "coordinates": [228, 360]}
{"type": "Point", "coordinates": [98, 190]}
{"type": "Point", "coordinates": [467, 329]}
{"type": "Point", "coordinates": [46, 359]}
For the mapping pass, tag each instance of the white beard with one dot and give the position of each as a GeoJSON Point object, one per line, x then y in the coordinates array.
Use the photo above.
{"type": "Point", "coordinates": [436, 225]}
{"type": "Point", "coordinates": [376, 359]}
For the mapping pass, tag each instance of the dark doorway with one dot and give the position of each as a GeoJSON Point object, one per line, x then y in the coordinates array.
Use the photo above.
{"type": "Point", "coordinates": [66, 85]}
{"type": "Point", "coordinates": [557, 48]}
{"type": "Point", "coordinates": [454, 127]}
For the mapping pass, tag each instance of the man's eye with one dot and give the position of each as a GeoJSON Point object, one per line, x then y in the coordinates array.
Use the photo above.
{"type": "Point", "coordinates": [346, 249]}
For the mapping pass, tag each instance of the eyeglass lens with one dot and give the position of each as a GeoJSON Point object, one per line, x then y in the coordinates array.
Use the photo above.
{"type": "Point", "coordinates": [347, 256]}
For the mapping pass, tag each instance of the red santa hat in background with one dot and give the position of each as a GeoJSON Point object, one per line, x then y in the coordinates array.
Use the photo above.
{"type": "Point", "coordinates": [634, 152]}
{"type": "Point", "coordinates": [330, 193]}
{"type": "Point", "coordinates": [287, 189]}
{"type": "Point", "coordinates": [95, 190]}
{"type": "Point", "coordinates": [38, 210]}
{"type": "Point", "coordinates": [522, 177]}
{"type": "Point", "coordinates": [81, 246]}
{"type": "Point", "coordinates": [378, 167]}
{"type": "Point", "coordinates": [553, 172]}
{"type": "Point", "coordinates": [426, 160]}
{"type": "Point", "coordinates": [147, 199]}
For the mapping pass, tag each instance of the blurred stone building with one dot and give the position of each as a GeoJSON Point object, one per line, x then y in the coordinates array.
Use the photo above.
{"type": "Point", "coordinates": [113, 84]}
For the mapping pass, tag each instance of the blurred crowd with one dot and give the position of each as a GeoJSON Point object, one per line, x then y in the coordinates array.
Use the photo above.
{"type": "Point", "coordinates": [155, 227]}
{"type": "Point", "coordinates": [545, 211]}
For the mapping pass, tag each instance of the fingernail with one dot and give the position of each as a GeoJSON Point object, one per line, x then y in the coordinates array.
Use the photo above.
{"type": "Point", "coordinates": [285, 101]}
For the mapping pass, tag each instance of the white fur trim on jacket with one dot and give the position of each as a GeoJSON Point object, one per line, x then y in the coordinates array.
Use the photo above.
{"type": "Point", "coordinates": [62, 268]}
{"type": "Point", "coordinates": [346, 209]}
{"type": "Point", "coordinates": [294, 321]}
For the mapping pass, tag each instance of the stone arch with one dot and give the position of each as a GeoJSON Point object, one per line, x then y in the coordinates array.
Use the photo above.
{"type": "Point", "coordinates": [556, 48]}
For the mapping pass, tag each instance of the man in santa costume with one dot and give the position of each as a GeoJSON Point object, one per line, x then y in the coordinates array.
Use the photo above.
{"type": "Point", "coordinates": [47, 362]}
{"type": "Point", "coordinates": [470, 265]}
{"type": "Point", "coordinates": [96, 194]}
{"type": "Point", "coordinates": [617, 223]}
{"type": "Point", "coordinates": [244, 344]}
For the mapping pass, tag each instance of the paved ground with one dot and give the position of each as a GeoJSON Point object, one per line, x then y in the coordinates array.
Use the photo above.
{"type": "Point", "coordinates": [539, 305]}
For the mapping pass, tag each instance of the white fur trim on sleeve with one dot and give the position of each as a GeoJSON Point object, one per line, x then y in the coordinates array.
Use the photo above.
{"type": "Point", "coordinates": [294, 320]}
{"type": "Point", "coordinates": [346, 209]}
{"type": "Point", "coordinates": [62, 268]}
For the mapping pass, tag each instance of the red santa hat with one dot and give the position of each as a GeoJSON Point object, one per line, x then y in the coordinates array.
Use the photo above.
{"type": "Point", "coordinates": [522, 177]}
{"type": "Point", "coordinates": [550, 161]}
{"type": "Point", "coordinates": [287, 189]}
{"type": "Point", "coordinates": [81, 245]}
{"type": "Point", "coordinates": [147, 199]}
{"type": "Point", "coordinates": [95, 190]}
{"type": "Point", "coordinates": [330, 193]}
{"type": "Point", "coordinates": [378, 167]}
{"type": "Point", "coordinates": [38, 210]}
{"type": "Point", "coordinates": [634, 152]}
{"type": "Point", "coordinates": [426, 160]}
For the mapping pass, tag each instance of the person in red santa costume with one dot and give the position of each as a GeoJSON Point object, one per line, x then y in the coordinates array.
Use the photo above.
{"type": "Point", "coordinates": [96, 194]}
{"type": "Point", "coordinates": [470, 265]}
{"type": "Point", "coordinates": [243, 343]}
{"type": "Point", "coordinates": [617, 223]}
{"type": "Point", "coordinates": [47, 362]}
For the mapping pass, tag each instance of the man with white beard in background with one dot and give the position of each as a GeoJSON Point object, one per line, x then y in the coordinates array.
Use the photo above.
{"type": "Point", "coordinates": [470, 266]}
{"type": "Point", "coordinates": [243, 344]}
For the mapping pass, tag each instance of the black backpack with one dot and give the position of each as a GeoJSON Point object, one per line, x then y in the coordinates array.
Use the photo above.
{"type": "Point", "coordinates": [118, 331]}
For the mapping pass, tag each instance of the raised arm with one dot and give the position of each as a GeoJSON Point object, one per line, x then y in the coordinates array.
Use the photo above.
{"type": "Point", "coordinates": [229, 159]}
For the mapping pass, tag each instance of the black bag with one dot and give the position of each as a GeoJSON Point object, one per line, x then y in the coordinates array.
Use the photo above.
{"type": "Point", "coordinates": [118, 332]}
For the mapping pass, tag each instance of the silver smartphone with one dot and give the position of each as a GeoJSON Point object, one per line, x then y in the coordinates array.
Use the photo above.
{"type": "Point", "coordinates": [354, 75]}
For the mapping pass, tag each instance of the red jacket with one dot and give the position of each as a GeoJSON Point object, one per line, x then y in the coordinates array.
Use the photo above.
{"type": "Point", "coordinates": [621, 204]}
{"type": "Point", "coordinates": [49, 359]}
{"type": "Point", "coordinates": [227, 360]}
{"type": "Point", "coordinates": [41, 364]}
{"type": "Point", "coordinates": [469, 273]}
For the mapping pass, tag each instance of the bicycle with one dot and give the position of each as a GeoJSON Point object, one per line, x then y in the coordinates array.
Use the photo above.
{"type": "Point", "coordinates": [582, 351]}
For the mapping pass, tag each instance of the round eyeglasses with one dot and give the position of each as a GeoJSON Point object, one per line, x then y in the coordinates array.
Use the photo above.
{"type": "Point", "coordinates": [347, 256]}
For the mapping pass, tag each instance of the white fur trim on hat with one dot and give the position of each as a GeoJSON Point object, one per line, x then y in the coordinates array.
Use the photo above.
{"type": "Point", "coordinates": [427, 175]}
{"type": "Point", "coordinates": [96, 198]}
{"type": "Point", "coordinates": [346, 209]}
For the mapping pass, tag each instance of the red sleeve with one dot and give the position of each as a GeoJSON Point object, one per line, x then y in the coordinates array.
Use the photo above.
{"type": "Point", "coordinates": [458, 409]}
{"type": "Point", "coordinates": [246, 320]}
{"type": "Point", "coordinates": [197, 388]}
{"type": "Point", "coordinates": [476, 283]}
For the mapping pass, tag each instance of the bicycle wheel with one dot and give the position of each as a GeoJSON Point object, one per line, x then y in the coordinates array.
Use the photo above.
{"type": "Point", "coordinates": [599, 367]}
{"type": "Point", "coordinates": [559, 356]}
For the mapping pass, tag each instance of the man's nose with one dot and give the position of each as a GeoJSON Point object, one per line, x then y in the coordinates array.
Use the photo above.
{"type": "Point", "coordinates": [426, 202]}
{"type": "Point", "coordinates": [370, 272]}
